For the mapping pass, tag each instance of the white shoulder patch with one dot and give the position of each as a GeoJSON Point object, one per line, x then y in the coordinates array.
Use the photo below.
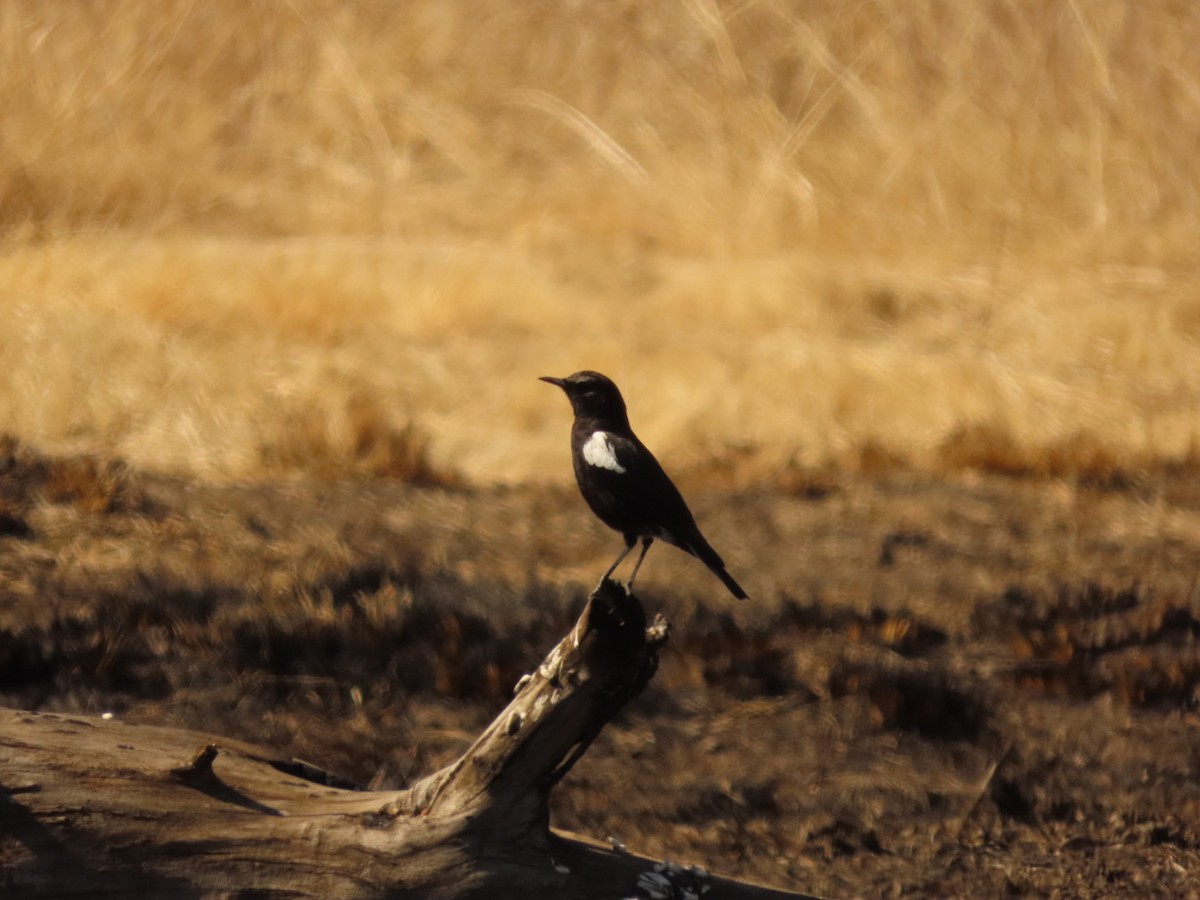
{"type": "Point", "coordinates": [598, 452]}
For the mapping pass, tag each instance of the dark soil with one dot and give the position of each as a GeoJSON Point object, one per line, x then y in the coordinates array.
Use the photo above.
{"type": "Point", "coordinates": [969, 685]}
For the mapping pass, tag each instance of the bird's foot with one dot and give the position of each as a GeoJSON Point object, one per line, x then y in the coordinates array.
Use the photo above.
{"type": "Point", "coordinates": [609, 584]}
{"type": "Point", "coordinates": [615, 595]}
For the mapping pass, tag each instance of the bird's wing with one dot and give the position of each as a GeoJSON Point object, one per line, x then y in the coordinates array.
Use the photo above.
{"type": "Point", "coordinates": [649, 490]}
{"type": "Point", "coordinates": [623, 455]}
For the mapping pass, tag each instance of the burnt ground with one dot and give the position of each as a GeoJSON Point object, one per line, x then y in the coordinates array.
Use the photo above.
{"type": "Point", "coordinates": [966, 684]}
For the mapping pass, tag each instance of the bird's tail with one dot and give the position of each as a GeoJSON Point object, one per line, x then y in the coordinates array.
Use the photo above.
{"type": "Point", "coordinates": [707, 555]}
{"type": "Point", "coordinates": [727, 580]}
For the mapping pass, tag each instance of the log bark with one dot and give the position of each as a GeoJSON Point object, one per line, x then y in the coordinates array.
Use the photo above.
{"type": "Point", "coordinates": [94, 807]}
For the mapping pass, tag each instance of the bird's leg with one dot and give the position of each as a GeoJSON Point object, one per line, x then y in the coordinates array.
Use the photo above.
{"type": "Point", "coordinates": [604, 577]}
{"type": "Point", "coordinates": [617, 562]}
{"type": "Point", "coordinates": [646, 542]}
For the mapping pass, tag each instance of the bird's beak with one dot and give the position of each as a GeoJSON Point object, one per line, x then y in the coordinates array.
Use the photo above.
{"type": "Point", "coordinates": [551, 380]}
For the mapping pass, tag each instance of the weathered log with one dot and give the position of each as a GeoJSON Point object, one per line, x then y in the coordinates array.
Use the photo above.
{"type": "Point", "coordinates": [94, 807]}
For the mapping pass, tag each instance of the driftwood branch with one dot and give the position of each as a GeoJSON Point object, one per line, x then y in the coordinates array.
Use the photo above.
{"type": "Point", "coordinates": [90, 807]}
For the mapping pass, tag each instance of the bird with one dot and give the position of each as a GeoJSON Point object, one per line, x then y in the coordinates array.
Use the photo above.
{"type": "Point", "coordinates": [623, 483]}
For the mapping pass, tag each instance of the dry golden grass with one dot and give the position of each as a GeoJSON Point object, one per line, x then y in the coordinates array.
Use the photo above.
{"type": "Point", "coordinates": [239, 238]}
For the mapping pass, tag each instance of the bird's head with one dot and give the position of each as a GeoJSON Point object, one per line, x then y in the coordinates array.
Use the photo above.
{"type": "Point", "coordinates": [592, 395]}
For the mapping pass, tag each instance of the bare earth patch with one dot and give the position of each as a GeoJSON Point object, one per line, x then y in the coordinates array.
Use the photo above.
{"type": "Point", "coordinates": [980, 684]}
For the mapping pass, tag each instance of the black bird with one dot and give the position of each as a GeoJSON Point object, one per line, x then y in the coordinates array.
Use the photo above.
{"type": "Point", "coordinates": [622, 481]}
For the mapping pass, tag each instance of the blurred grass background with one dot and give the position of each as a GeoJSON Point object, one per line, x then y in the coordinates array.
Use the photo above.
{"type": "Point", "coordinates": [244, 238]}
